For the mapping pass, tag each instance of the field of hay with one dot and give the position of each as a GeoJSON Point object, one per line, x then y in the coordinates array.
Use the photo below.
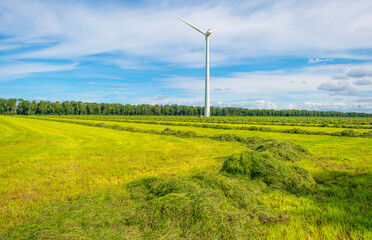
{"type": "Point", "coordinates": [113, 177]}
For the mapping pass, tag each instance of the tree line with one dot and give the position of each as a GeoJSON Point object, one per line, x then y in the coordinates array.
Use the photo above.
{"type": "Point", "coordinates": [23, 107]}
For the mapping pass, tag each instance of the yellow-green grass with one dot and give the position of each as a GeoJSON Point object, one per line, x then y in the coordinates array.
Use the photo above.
{"type": "Point", "coordinates": [348, 153]}
{"type": "Point", "coordinates": [314, 128]}
{"type": "Point", "coordinates": [312, 219]}
{"type": "Point", "coordinates": [342, 163]}
{"type": "Point", "coordinates": [44, 161]}
{"type": "Point", "coordinates": [308, 121]}
{"type": "Point", "coordinates": [306, 128]}
{"type": "Point", "coordinates": [279, 127]}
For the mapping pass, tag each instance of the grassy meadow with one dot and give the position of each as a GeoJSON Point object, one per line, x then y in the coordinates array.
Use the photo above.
{"type": "Point", "coordinates": [112, 177]}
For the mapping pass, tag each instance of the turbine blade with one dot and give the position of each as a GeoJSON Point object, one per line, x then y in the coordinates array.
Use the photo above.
{"type": "Point", "coordinates": [190, 24]}
{"type": "Point", "coordinates": [213, 30]}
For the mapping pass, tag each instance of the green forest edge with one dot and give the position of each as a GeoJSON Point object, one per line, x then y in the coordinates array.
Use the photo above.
{"type": "Point", "coordinates": [344, 133]}
{"type": "Point", "coordinates": [213, 205]}
{"type": "Point", "coordinates": [23, 107]}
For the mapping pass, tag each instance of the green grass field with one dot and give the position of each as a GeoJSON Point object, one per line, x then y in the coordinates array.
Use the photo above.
{"type": "Point", "coordinates": [103, 177]}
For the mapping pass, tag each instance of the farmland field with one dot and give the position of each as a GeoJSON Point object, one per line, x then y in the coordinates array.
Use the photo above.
{"type": "Point", "coordinates": [105, 177]}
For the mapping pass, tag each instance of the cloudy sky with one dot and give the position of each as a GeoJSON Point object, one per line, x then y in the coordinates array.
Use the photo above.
{"type": "Point", "coordinates": [297, 54]}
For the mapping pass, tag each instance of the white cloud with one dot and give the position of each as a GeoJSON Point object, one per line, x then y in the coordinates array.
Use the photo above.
{"type": "Point", "coordinates": [22, 69]}
{"type": "Point", "coordinates": [324, 105]}
{"type": "Point", "coordinates": [362, 82]}
{"type": "Point", "coordinates": [259, 104]}
{"type": "Point", "coordinates": [82, 28]}
{"type": "Point", "coordinates": [251, 85]}
{"type": "Point", "coordinates": [290, 106]}
{"type": "Point", "coordinates": [339, 106]}
{"type": "Point", "coordinates": [125, 64]}
{"type": "Point", "coordinates": [345, 79]}
{"type": "Point", "coordinates": [342, 71]}
{"type": "Point", "coordinates": [148, 33]}
{"type": "Point", "coordinates": [6, 46]}
{"type": "Point", "coordinates": [286, 90]}
{"type": "Point", "coordinates": [220, 89]}
{"type": "Point", "coordinates": [339, 87]}
{"type": "Point", "coordinates": [364, 100]}
{"type": "Point", "coordinates": [159, 98]}
{"type": "Point", "coordinates": [170, 100]}
{"type": "Point", "coordinates": [359, 72]}
{"type": "Point", "coordinates": [318, 60]}
{"type": "Point", "coordinates": [113, 84]}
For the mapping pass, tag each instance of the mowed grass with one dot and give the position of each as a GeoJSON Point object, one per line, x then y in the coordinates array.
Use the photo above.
{"type": "Point", "coordinates": [43, 162]}
{"type": "Point", "coordinates": [92, 199]}
{"type": "Point", "coordinates": [332, 152]}
{"type": "Point", "coordinates": [260, 120]}
{"type": "Point", "coordinates": [139, 119]}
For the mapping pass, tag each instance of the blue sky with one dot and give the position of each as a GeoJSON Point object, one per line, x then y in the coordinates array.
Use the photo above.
{"type": "Point", "coordinates": [314, 55]}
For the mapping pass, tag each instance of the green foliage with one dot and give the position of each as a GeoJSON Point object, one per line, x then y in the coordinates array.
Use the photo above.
{"type": "Point", "coordinates": [24, 107]}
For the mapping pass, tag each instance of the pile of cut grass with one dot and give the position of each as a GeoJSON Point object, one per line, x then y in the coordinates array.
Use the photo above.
{"type": "Point", "coordinates": [220, 205]}
{"type": "Point", "coordinates": [285, 151]}
{"type": "Point", "coordinates": [255, 165]}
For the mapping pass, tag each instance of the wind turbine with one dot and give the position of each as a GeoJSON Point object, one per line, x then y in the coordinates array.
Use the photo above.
{"type": "Point", "coordinates": [206, 34]}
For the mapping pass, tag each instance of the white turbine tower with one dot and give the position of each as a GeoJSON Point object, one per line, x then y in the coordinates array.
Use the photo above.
{"type": "Point", "coordinates": [206, 34]}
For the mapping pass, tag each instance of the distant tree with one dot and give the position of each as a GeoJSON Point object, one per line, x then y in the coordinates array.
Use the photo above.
{"type": "Point", "coordinates": [24, 107]}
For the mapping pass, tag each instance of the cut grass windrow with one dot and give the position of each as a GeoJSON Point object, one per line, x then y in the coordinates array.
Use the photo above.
{"type": "Point", "coordinates": [352, 153]}
{"type": "Point", "coordinates": [344, 133]}
{"type": "Point", "coordinates": [286, 151]}
{"type": "Point", "coordinates": [319, 122]}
